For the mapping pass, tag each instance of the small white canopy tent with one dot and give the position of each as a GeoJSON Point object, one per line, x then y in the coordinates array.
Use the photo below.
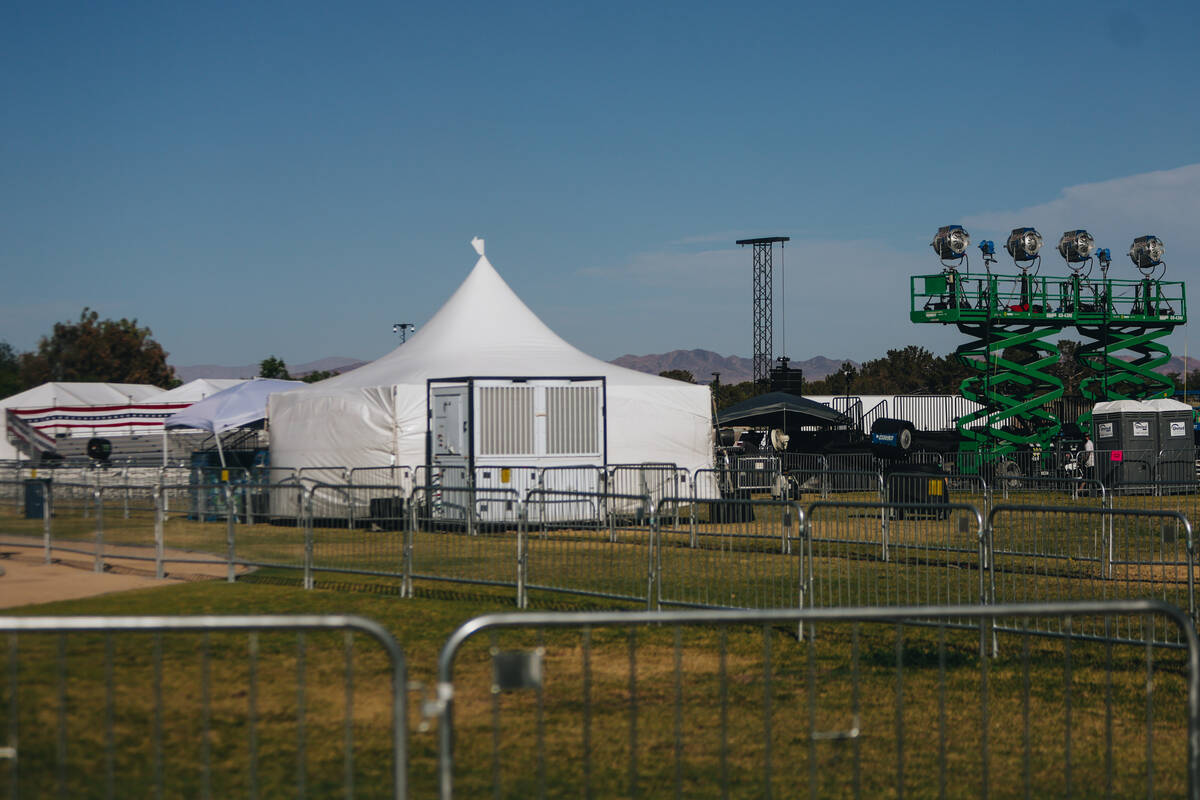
{"type": "Point", "coordinates": [376, 415]}
{"type": "Point", "coordinates": [243, 403]}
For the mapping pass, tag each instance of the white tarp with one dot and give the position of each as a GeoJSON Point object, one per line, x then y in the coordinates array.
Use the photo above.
{"type": "Point", "coordinates": [242, 404]}
{"type": "Point", "coordinates": [376, 415]}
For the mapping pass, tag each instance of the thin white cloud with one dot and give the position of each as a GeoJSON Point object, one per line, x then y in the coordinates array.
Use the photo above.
{"type": "Point", "coordinates": [1165, 203]}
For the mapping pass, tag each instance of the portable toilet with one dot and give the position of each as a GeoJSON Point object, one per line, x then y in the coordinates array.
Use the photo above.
{"type": "Point", "coordinates": [1177, 451]}
{"type": "Point", "coordinates": [1125, 435]}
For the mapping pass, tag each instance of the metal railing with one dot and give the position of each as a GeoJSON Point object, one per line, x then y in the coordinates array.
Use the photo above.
{"type": "Point", "coordinates": [883, 701]}
{"type": "Point", "coordinates": [1048, 553]}
{"type": "Point", "coordinates": [161, 706]}
{"type": "Point", "coordinates": [679, 551]}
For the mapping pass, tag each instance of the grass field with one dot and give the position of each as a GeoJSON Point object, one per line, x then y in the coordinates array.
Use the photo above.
{"type": "Point", "coordinates": [648, 713]}
{"type": "Point", "coordinates": [634, 712]}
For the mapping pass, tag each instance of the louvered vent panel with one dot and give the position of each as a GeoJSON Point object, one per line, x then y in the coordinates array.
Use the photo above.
{"type": "Point", "coordinates": [572, 420]}
{"type": "Point", "coordinates": [506, 420]}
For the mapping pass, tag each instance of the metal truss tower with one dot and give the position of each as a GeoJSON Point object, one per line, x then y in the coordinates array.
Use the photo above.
{"type": "Point", "coordinates": [764, 323]}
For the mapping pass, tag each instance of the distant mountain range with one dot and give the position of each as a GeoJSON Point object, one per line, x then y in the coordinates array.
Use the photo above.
{"type": "Point", "coordinates": [701, 363]}
{"type": "Point", "coordinates": [1180, 365]}
{"type": "Point", "coordinates": [733, 369]}
{"type": "Point", "coordinates": [331, 364]}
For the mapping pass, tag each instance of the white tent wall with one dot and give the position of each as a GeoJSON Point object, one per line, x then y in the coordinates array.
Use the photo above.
{"type": "Point", "coordinates": [356, 430]}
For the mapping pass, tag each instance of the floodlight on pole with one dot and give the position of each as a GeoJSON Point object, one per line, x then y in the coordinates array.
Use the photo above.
{"type": "Point", "coordinates": [1077, 248]}
{"type": "Point", "coordinates": [402, 329]}
{"type": "Point", "coordinates": [1023, 245]}
{"type": "Point", "coordinates": [1146, 253]}
{"type": "Point", "coordinates": [951, 243]}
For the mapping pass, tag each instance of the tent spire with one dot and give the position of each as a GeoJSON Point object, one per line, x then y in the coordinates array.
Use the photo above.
{"type": "Point", "coordinates": [477, 243]}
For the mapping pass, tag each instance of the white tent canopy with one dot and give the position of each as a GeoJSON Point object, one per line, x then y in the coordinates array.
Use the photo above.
{"type": "Point", "coordinates": [242, 404]}
{"type": "Point", "coordinates": [376, 415]}
{"type": "Point", "coordinates": [197, 390]}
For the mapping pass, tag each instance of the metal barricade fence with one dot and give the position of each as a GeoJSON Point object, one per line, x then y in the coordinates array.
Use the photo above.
{"type": "Point", "coordinates": [1051, 491]}
{"type": "Point", "coordinates": [972, 489]}
{"type": "Point", "coordinates": [446, 540]}
{"type": "Point", "coordinates": [802, 462]}
{"type": "Point", "coordinates": [839, 481]}
{"type": "Point", "coordinates": [597, 545]}
{"type": "Point", "coordinates": [729, 553]}
{"type": "Point", "coordinates": [894, 554]}
{"type": "Point", "coordinates": [587, 477]}
{"type": "Point", "coordinates": [1050, 554]}
{"type": "Point", "coordinates": [653, 480]}
{"type": "Point", "coordinates": [162, 706]}
{"type": "Point", "coordinates": [852, 462]}
{"type": "Point", "coordinates": [883, 702]}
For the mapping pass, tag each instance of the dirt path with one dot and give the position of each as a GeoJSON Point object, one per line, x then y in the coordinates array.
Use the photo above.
{"type": "Point", "coordinates": [26, 578]}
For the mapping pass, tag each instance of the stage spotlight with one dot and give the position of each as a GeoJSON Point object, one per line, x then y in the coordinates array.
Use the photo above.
{"type": "Point", "coordinates": [1023, 244]}
{"type": "Point", "coordinates": [1146, 253]}
{"type": "Point", "coordinates": [951, 242]}
{"type": "Point", "coordinates": [1077, 248]}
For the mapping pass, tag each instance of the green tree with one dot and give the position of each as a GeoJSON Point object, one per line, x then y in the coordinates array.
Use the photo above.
{"type": "Point", "coordinates": [1070, 369]}
{"type": "Point", "coordinates": [729, 394]}
{"type": "Point", "coordinates": [10, 371]}
{"type": "Point", "coordinates": [272, 367]}
{"type": "Point", "coordinates": [678, 375]}
{"type": "Point", "coordinates": [318, 375]}
{"type": "Point", "coordinates": [92, 349]}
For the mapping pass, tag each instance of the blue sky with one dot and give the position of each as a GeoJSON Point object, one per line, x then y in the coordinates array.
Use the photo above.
{"type": "Point", "coordinates": [292, 178]}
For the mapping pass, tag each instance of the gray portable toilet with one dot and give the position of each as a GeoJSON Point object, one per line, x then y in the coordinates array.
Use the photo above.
{"type": "Point", "coordinates": [1125, 435]}
{"type": "Point", "coordinates": [1176, 443]}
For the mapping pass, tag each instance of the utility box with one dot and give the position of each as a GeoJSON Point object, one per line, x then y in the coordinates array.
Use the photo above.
{"type": "Point", "coordinates": [1125, 435]}
{"type": "Point", "coordinates": [492, 439]}
{"type": "Point", "coordinates": [37, 497]}
{"type": "Point", "coordinates": [1176, 443]}
{"type": "Point", "coordinates": [923, 484]}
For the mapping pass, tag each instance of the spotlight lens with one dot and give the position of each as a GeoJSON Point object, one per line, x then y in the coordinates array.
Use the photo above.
{"type": "Point", "coordinates": [951, 241]}
{"type": "Point", "coordinates": [1146, 252]}
{"type": "Point", "coordinates": [1076, 246]}
{"type": "Point", "coordinates": [1023, 244]}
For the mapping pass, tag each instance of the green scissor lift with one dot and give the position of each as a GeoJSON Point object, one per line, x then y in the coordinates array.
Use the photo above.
{"type": "Point", "coordinates": [999, 312]}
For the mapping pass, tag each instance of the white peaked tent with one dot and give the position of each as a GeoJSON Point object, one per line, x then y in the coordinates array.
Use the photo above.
{"type": "Point", "coordinates": [376, 415]}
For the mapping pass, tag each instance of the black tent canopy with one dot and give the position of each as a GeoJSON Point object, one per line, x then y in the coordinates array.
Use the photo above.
{"type": "Point", "coordinates": [781, 410]}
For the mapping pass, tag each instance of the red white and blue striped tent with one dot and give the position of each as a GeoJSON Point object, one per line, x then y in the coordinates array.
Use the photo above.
{"type": "Point", "coordinates": [34, 418]}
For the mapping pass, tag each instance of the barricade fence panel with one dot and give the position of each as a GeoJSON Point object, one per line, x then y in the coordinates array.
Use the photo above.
{"type": "Point", "coordinates": [862, 484]}
{"type": "Point", "coordinates": [882, 702]}
{"type": "Point", "coordinates": [730, 553]}
{"type": "Point", "coordinates": [202, 706]}
{"type": "Point", "coordinates": [894, 554]}
{"type": "Point", "coordinates": [588, 544]}
{"type": "Point", "coordinates": [1059, 491]}
{"type": "Point", "coordinates": [1042, 553]}
{"type": "Point", "coordinates": [446, 541]}
{"type": "Point", "coordinates": [684, 550]}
